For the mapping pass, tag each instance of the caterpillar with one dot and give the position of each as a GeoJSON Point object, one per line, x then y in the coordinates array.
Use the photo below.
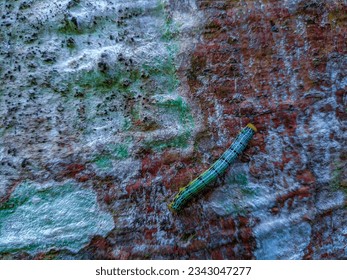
{"type": "Point", "coordinates": [217, 169]}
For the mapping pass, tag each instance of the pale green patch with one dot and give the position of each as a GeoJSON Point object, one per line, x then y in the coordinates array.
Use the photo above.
{"type": "Point", "coordinates": [103, 162]}
{"type": "Point", "coordinates": [238, 179]}
{"type": "Point", "coordinates": [40, 218]}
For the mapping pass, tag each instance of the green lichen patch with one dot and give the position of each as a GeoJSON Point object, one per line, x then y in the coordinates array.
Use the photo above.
{"type": "Point", "coordinates": [115, 90]}
{"type": "Point", "coordinates": [72, 25]}
{"type": "Point", "coordinates": [170, 30]}
{"type": "Point", "coordinates": [237, 179]}
{"type": "Point", "coordinates": [240, 179]}
{"type": "Point", "coordinates": [180, 141]}
{"type": "Point", "coordinates": [119, 151]}
{"type": "Point", "coordinates": [178, 106]}
{"type": "Point", "coordinates": [40, 218]}
{"type": "Point", "coordinates": [127, 124]}
{"type": "Point", "coordinates": [110, 154]}
{"type": "Point", "coordinates": [69, 26]}
{"type": "Point", "coordinates": [232, 209]}
{"type": "Point", "coordinates": [338, 177]}
{"type": "Point", "coordinates": [103, 161]}
{"type": "Point", "coordinates": [162, 71]}
{"type": "Point", "coordinates": [94, 79]}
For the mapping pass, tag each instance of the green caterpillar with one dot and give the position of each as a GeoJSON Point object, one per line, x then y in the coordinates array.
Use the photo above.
{"type": "Point", "coordinates": [218, 168]}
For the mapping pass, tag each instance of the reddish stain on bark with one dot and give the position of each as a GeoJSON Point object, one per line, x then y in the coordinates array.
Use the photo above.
{"type": "Point", "coordinates": [305, 177]}
{"type": "Point", "coordinates": [304, 191]}
{"type": "Point", "coordinates": [71, 170]}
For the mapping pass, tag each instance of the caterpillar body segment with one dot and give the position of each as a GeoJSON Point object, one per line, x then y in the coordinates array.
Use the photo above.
{"type": "Point", "coordinates": [218, 168]}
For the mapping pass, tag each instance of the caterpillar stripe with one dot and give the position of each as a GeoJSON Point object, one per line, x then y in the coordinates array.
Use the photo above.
{"type": "Point", "coordinates": [218, 168]}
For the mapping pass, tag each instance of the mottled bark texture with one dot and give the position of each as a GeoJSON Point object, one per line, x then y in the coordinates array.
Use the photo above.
{"type": "Point", "coordinates": [108, 107]}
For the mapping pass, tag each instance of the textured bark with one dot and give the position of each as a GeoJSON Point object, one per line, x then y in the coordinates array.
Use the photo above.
{"type": "Point", "coordinates": [127, 102]}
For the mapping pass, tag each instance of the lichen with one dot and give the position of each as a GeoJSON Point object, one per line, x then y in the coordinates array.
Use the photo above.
{"type": "Point", "coordinates": [237, 178]}
{"type": "Point", "coordinates": [103, 161]}
{"type": "Point", "coordinates": [180, 141]}
{"type": "Point", "coordinates": [39, 218]}
{"type": "Point", "coordinates": [338, 177]}
{"type": "Point", "coordinates": [180, 107]}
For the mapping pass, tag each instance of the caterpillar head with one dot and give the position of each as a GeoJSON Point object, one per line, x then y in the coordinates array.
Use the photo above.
{"type": "Point", "coordinates": [251, 126]}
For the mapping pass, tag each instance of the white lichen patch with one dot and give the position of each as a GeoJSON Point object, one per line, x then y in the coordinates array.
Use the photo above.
{"type": "Point", "coordinates": [284, 242]}
{"type": "Point", "coordinates": [39, 218]}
